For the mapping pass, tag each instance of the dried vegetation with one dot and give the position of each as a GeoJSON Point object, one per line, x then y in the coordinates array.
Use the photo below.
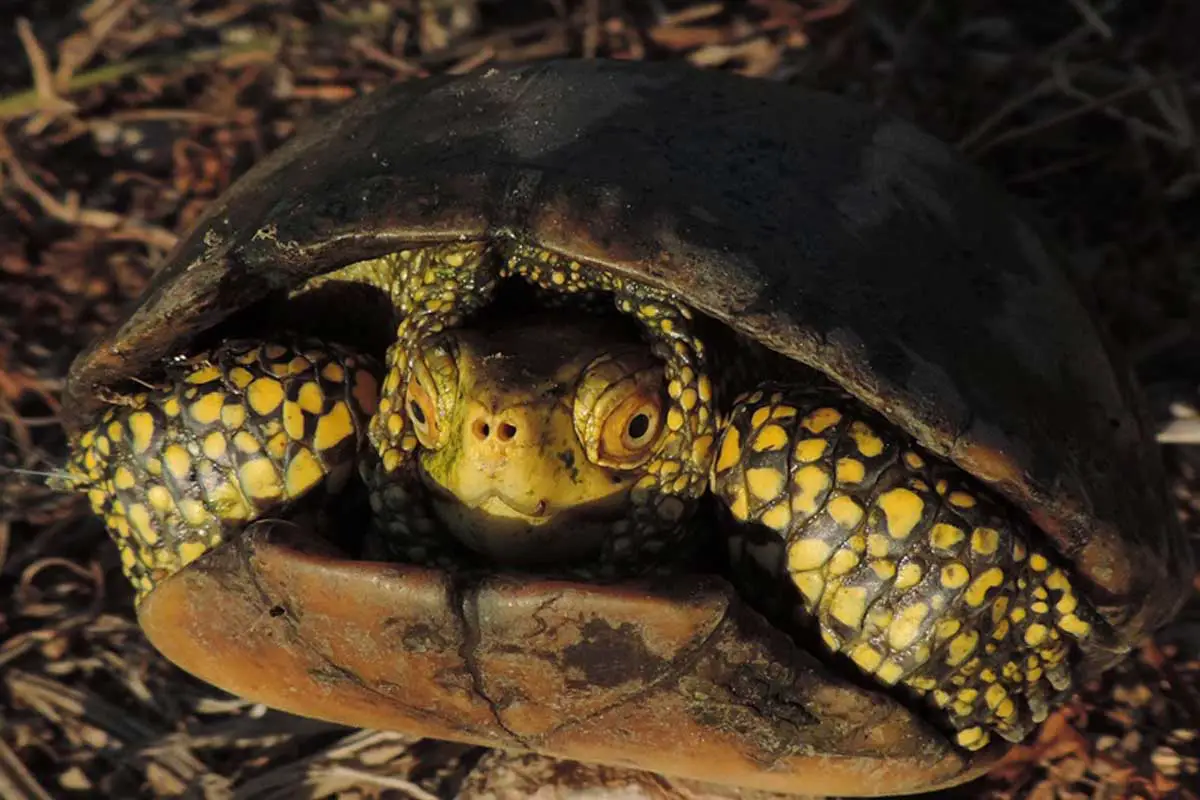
{"type": "Point", "coordinates": [121, 119]}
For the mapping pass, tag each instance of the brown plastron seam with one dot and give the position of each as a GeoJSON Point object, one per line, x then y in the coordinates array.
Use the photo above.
{"type": "Point", "coordinates": [909, 567]}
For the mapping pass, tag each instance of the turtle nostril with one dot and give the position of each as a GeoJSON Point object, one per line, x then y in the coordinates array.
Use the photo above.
{"type": "Point", "coordinates": [481, 430]}
{"type": "Point", "coordinates": [506, 432]}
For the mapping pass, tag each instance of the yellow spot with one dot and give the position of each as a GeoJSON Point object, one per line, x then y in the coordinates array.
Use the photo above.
{"type": "Point", "coordinates": [333, 372]}
{"type": "Point", "coordinates": [277, 446]}
{"type": "Point", "coordinates": [1035, 634]}
{"type": "Point", "coordinates": [333, 427]}
{"type": "Point", "coordinates": [702, 449]}
{"type": "Point", "coordinates": [884, 569]}
{"type": "Point", "coordinates": [207, 409]}
{"type": "Point", "coordinates": [972, 738]}
{"type": "Point", "coordinates": [999, 607]}
{"type": "Point", "coordinates": [770, 438]}
{"type": "Point", "coordinates": [849, 605]}
{"type": "Point", "coordinates": [845, 512]}
{"type": "Point", "coordinates": [903, 508]}
{"type": "Point", "coordinates": [170, 406]}
{"type": "Point", "coordinates": [1074, 626]}
{"type": "Point", "coordinates": [204, 374]}
{"type": "Point", "coordinates": [809, 450]}
{"type": "Point", "coordinates": [233, 416]}
{"type": "Point", "coordinates": [160, 499]}
{"type": "Point", "coordinates": [947, 628]}
{"type": "Point", "coordinates": [293, 419]}
{"type": "Point", "coordinates": [908, 575]}
{"type": "Point", "coordinates": [962, 500]}
{"type": "Point", "coordinates": [264, 396]}
{"type": "Point", "coordinates": [193, 511]}
{"type": "Point", "coordinates": [259, 479]}
{"type": "Point", "coordinates": [759, 417]}
{"type": "Point", "coordinates": [1038, 562]}
{"type": "Point", "coordinates": [777, 518]}
{"type": "Point", "coordinates": [807, 554]}
{"type": "Point", "coordinates": [907, 626]}
{"type": "Point", "coordinates": [115, 431]}
{"type": "Point", "coordinates": [179, 463]}
{"type": "Point", "coordinates": [214, 445]}
{"type": "Point", "coordinates": [1067, 604]}
{"type": "Point", "coordinates": [994, 695]}
{"type": "Point", "coordinates": [310, 398]}
{"type": "Point", "coordinates": [139, 517]}
{"type": "Point", "coordinates": [141, 427]}
{"type": "Point", "coordinates": [980, 586]}
{"type": "Point", "coordinates": [850, 470]}
{"type": "Point", "coordinates": [783, 412]}
{"type": "Point", "coordinates": [688, 399]}
{"type": "Point", "coordinates": [985, 541]}
{"type": "Point", "coordinates": [245, 443]}
{"type": "Point", "coordinates": [961, 647]}
{"type": "Point", "coordinates": [1006, 709]}
{"type": "Point", "coordinates": [303, 472]}
{"type": "Point", "coordinates": [1000, 630]}
{"type": "Point", "coordinates": [878, 545]}
{"type": "Point", "coordinates": [866, 657]}
{"type": "Point", "coordinates": [955, 575]}
{"type": "Point", "coordinates": [868, 444]}
{"type": "Point", "coordinates": [704, 387]}
{"type": "Point", "coordinates": [890, 672]}
{"type": "Point", "coordinates": [945, 537]}
{"type": "Point", "coordinates": [842, 562]}
{"type": "Point", "coordinates": [190, 551]}
{"type": "Point", "coordinates": [913, 460]}
{"type": "Point", "coordinates": [123, 479]}
{"type": "Point", "coordinates": [765, 483]}
{"type": "Point", "coordinates": [731, 449]}
{"type": "Point", "coordinates": [810, 585]}
{"type": "Point", "coordinates": [822, 418]}
{"type": "Point", "coordinates": [1038, 607]}
{"type": "Point", "coordinates": [240, 377]}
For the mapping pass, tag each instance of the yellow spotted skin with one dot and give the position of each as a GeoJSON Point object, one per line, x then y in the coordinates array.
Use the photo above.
{"type": "Point", "coordinates": [181, 468]}
{"type": "Point", "coordinates": [911, 570]}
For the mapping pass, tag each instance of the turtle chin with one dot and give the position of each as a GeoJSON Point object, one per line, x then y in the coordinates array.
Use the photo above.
{"type": "Point", "coordinates": [507, 535]}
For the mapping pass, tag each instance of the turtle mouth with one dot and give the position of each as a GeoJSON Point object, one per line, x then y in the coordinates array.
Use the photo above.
{"type": "Point", "coordinates": [524, 534]}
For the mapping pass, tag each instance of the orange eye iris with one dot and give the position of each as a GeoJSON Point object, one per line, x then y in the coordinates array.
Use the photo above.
{"type": "Point", "coordinates": [632, 427]}
{"type": "Point", "coordinates": [422, 412]}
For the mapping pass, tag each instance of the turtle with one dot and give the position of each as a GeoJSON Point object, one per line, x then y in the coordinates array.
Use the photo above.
{"type": "Point", "coordinates": [637, 414]}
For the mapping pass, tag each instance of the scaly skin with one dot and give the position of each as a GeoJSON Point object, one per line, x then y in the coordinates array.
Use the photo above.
{"type": "Point", "coordinates": [910, 568]}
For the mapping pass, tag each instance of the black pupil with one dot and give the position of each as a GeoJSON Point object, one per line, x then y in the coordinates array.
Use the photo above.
{"type": "Point", "coordinates": [639, 425]}
{"type": "Point", "coordinates": [416, 412]}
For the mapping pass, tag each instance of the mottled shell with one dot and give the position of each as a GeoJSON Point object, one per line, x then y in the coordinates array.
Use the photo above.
{"type": "Point", "coordinates": [830, 232]}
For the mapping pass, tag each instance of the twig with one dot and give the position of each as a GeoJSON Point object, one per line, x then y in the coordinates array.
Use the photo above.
{"type": "Point", "coordinates": [72, 213]}
{"type": "Point", "coordinates": [16, 782]}
{"type": "Point", "coordinates": [29, 102]}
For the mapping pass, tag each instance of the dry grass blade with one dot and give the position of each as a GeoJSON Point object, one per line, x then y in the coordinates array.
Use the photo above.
{"type": "Point", "coordinates": [16, 783]}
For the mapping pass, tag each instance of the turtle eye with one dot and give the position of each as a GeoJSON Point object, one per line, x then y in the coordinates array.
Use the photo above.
{"type": "Point", "coordinates": [423, 414]}
{"type": "Point", "coordinates": [632, 427]}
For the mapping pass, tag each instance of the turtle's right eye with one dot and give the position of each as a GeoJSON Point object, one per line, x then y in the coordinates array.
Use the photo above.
{"type": "Point", "coordinates": [423, 414]}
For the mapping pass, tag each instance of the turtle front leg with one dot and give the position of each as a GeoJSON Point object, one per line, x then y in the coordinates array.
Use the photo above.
{"type": "Point", "coordinates": [229, 437]}
{"type": "Point", "coordinates": [910, 568]}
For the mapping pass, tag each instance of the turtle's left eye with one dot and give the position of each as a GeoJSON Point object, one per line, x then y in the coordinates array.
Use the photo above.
{"type": "Point", "coordinates": [632, 427]}
{"type": "Point", "coordinates": [619, 409]}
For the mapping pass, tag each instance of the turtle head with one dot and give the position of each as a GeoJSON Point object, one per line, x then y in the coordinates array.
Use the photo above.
{"type": "Point", "coordinates": [533, 434]}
